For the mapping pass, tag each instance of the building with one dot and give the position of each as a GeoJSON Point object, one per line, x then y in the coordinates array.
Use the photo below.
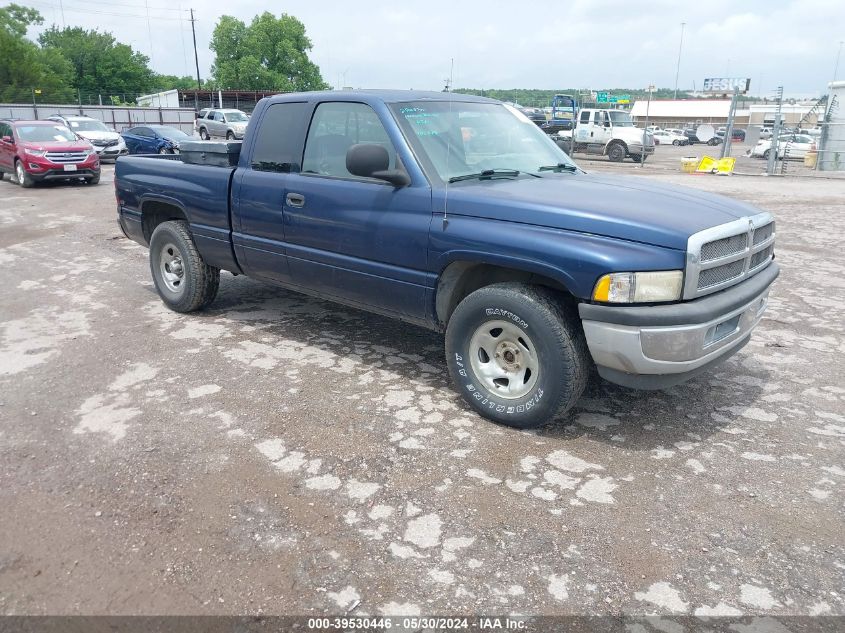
{"type": "Point", "coordinates": [691, 112]}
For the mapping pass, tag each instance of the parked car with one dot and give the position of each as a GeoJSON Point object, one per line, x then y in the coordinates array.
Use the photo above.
{"type": "Point", "coordinates": [537, 116]}
{"type": "Point", "coordinates": [154, 139]}
{"type": "Point", "coordinates": [736, 134]}
{"type": "Point", "coordinates": [789, 146]}
{"type": "Point", "coordinates": [693, 138]}
{"type": "Point", "coordinates": [665, 137]}
{"type": "Point", "coordinates": [765, 132]}
{"type": "Point", "coordinates": [228, 124]}
{"type": "Point", "coordinates": [675, 130]}
{"type": "Point", "coordinates": [108, 143]}
{"type": "Point", "coordinates": [33, 151]}
{"type": "Point", "coordinates": [535, 270]}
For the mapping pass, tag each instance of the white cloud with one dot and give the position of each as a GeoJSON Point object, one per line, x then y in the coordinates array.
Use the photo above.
{"type": "Point", "coordinates": [501, 44]}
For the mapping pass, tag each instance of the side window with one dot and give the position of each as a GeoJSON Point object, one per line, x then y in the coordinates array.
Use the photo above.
{"type": "Point", "coordinates": [279, 141]}
{"type": "Point", "coordinates": [600, 118]}
{"type": "Point", "coordinates": [337, 126]}
{"type": "Point", "coordinates": [144, 131]}
{"type": "Point", "coordinates": [585, 116]}
{"type": "Point", "coordinates": [5, 130]}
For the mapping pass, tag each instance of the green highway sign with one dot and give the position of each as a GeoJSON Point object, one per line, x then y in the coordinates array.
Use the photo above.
{"type": "Point", "coordinates": [606, 97]}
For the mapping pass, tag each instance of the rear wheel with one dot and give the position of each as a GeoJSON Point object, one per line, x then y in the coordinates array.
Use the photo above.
{"type": "Point", "coordinates": [183, 280]}
{"type": "Point", "coordinates": [24, 179]}
{"type": "Point", "coordinates": [616, 152]}
{"type": "Point", "coordinates": [638, 158]}
{"type": "Point", "coordinates": [516, 355]}
{"type": "Point", "coordinates": [767, 153]}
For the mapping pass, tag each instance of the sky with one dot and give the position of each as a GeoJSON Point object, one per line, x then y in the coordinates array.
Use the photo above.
{"type": "Point", "coordinates": [588, 44]}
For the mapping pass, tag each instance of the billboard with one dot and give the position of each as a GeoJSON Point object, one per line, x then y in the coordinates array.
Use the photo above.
{"type": "Point", "coordinates": [726, 84]}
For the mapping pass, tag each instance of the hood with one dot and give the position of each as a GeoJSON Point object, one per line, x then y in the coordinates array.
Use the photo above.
{"type": "Point", "coordinates": [98, 136]}
{"type": "Point", "coordinates": [632, 135]}
{"type": "Point", "coordinates": [59, 146]}
{"type": "Point", "coordinates": [622, 207]}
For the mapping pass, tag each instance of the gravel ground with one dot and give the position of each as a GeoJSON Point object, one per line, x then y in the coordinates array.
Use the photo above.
{"type": "Point", "coordinates": [278, 454]}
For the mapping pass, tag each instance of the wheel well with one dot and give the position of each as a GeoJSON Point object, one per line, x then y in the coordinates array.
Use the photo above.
{"type": "Point", "coordinates": [459, 279]}
{"type": "Point", "coordinates": [154, 213]}
{"type": "Point", "coordinates": [615, 142]}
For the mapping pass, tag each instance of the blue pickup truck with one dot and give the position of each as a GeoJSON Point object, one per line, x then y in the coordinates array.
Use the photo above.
{"type": "Point", "coordinates": [458, 214]}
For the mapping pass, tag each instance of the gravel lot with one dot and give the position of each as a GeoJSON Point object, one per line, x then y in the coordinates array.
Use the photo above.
{"type": "Point", "coordinates": [278, 454]}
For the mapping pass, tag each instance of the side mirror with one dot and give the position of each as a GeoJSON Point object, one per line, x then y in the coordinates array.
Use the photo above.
{"type": "Point", "coordinates": [372, 161]}
{"type": "Point", "coordinates": [607, 124]}
{"type": "Point", "coordinates": [8, 139]}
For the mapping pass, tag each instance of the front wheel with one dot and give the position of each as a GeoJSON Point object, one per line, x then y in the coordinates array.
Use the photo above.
{"type": "Point", "coordinates": [93, 180]}
{"type": "Point", "coordinates": [204, 134]}
{"type": "Point", "coordinates": [183, 280]}
{"type": "Point", "coordinates": [24, 179]}
{"type": "Point", "coordinates": [766, 154]}
{"type": "Point", "coordinates": [230, 136]}
{"type": "Point", "coordinates": [616, 152]}
{"type": "Point", "coordinates": [676, 143]}
{"type": "Point", "coordinates": [516, 355]}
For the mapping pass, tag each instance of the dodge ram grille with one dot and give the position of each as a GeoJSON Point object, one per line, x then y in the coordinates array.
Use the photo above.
{"type": "Point", "coordinates": [720, 257]}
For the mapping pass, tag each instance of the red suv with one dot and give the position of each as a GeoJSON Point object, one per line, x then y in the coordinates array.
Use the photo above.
{"type": "Point", "coordinates": [45, 150]}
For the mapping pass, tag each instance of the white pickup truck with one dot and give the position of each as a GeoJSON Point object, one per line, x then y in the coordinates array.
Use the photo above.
{"type": "Point", "coordinates": [607, 132]}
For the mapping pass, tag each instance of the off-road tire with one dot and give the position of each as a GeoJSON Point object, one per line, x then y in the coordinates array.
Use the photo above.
{"type": "Point", "coordinates": [540, 315]}
{"type": "Point", "coordinates": [199, 283]}
{"type": "Point", "coordinates": [616, 152]}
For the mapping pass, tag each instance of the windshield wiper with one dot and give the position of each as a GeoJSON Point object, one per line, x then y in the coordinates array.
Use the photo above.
{"type": "Point", "coordinates": [487, 174]}
{"type": "Point", "coordinates": [559, 167]}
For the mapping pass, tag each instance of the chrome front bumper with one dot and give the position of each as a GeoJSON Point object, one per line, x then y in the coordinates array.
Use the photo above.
{"type": "Point", "coordinates": [652, 347]}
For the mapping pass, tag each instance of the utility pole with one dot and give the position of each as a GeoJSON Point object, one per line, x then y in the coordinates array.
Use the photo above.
{"type": "Point", "coordinates": [197, 60]}
{"type": "Point", "coordinates": [678, 68]}
{"type": "Point", "coordinates": [773, 146]}
{"type": "Point", "coordinates": [836, 65]}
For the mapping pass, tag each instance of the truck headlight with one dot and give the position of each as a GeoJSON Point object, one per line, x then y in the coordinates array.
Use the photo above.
{"type": "Point", "coordinates": [645, 287]}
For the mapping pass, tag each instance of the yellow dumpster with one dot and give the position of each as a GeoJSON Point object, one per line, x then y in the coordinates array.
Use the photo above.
{"type": "Point", "coordinates": [688, 164]}
{"type": "Point", "coordinates": [810, 159]}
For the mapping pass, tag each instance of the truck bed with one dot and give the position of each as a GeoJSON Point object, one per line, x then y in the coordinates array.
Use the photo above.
{"type": "Point", "coordinates": [201, 191]}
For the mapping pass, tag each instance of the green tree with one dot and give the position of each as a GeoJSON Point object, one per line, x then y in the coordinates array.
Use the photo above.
{"type": "Point", "coordinates": [99, 63]}
{"type": "Point", "coordinates": [271, 53]}
{"type": "Point", "coordinates": [26, 67]}
{"type": "Point", "coordinates": [171, 82]}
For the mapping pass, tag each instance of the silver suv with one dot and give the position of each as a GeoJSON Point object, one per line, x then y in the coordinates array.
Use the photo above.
{"type": "Point", "coordinates": [229, 124]}
{"type": "Point", "coordinates": [107, 143]}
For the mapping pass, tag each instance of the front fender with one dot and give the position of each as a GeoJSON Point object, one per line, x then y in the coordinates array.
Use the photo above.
{"type": "Point", "coordinates": [575, 260]}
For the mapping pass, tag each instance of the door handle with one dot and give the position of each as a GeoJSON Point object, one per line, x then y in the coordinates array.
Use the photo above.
{"type": "Point", "coordinates": [295, 200]}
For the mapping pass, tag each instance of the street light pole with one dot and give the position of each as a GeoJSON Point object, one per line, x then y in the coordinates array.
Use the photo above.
{"type": "Point", "coordinates": [678, 68]}
{"type": "Point", "coordinates": [836, 66]}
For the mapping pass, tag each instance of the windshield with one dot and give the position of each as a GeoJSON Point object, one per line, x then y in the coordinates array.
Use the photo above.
{"type": "Point", "coordinates": [171, 133]}
{"type": "Point", "coordinates": [88, 126]}
{"type": "Point", "coordinates": [45, 133]}
{"type": "Point", "coordinates": [620, 119]}
{"type": "Point", "coordinates": [236, 117]}
{"type": "Point", "coordinates": [467, 138]}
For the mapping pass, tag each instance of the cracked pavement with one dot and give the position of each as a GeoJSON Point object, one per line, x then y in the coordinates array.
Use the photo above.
{"type": "Point", "coordinates": [282, 455]}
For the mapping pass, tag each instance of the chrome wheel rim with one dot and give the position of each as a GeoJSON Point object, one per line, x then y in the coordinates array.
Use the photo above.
{"type": "Point", "coordinates": [172, 269]}
{"type": "Point", "coordinates": [504, 359]}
